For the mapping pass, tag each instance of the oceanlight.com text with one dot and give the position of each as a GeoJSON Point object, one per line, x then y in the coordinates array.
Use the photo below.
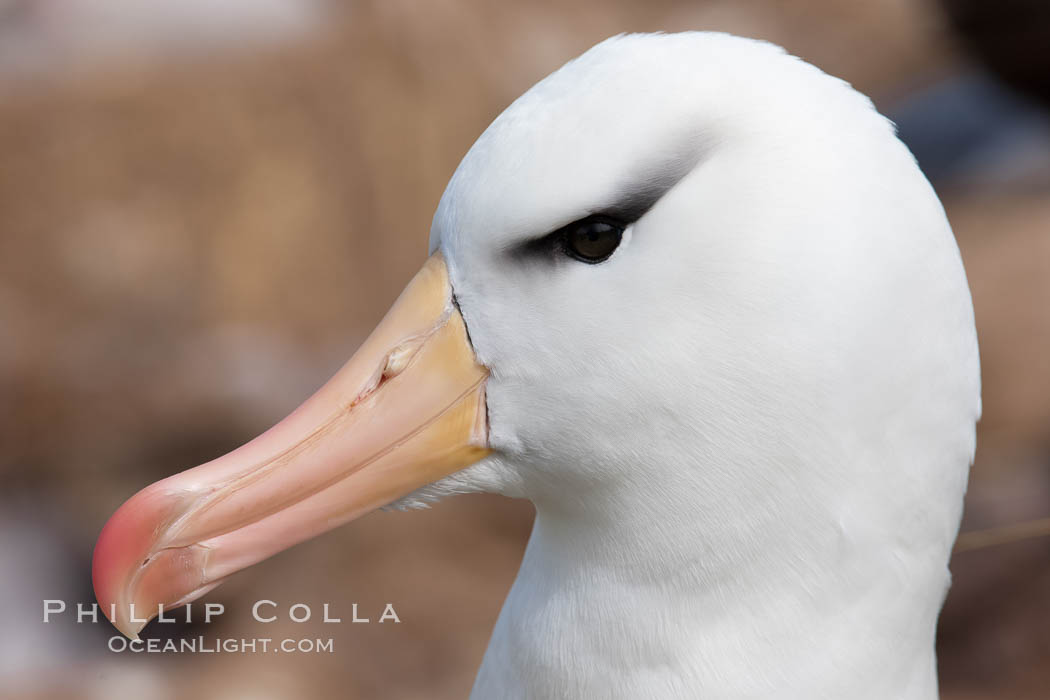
{"type": "Point", "coordinates": [201, 645]}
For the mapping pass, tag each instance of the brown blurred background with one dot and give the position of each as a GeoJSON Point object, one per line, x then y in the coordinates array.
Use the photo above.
{"type": "Point", "coordinates": [204, 207]}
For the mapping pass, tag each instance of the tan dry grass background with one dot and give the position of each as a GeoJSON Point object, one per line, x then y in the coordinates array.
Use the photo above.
{"type": "Point", "coordinates": [189, 245]}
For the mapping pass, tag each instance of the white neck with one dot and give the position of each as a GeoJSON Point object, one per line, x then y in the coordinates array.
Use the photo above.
{"type": "Point", "coordinates": [619, 607]}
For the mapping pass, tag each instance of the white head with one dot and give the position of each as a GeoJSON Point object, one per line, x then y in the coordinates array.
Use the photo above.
{"type": "Point", "coordinates": [772, 382]}
{"type": "Point", "coordinates": [785, 317]}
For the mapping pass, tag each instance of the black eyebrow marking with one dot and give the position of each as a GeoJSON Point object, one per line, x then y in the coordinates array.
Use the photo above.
{"type": "Point", "coordinates": [636, 198]}
{"type": "Point", "coordinates": [631, 203]}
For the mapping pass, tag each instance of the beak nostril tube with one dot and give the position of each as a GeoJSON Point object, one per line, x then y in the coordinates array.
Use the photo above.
{"type": "Point", "coordinates": [399, 357]}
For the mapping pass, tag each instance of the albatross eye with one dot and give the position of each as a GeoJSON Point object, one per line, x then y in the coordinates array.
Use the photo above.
{"type": "Point", "coordinates": [593, 239]}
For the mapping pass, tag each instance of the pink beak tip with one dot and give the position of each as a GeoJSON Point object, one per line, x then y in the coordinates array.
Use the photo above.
{"type": "Point", "coordinates": [121, 549]}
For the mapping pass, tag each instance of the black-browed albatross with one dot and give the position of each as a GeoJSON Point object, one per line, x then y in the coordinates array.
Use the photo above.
{"type": "Point", "coordinates": [692, 298]}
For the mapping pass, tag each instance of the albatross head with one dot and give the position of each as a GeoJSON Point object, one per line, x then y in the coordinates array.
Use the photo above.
{"type": "Point", "coordinates": [692, 298]}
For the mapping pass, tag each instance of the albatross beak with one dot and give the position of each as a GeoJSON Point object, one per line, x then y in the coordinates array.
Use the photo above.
{"type": "Point", "coordinates": [406, 410]}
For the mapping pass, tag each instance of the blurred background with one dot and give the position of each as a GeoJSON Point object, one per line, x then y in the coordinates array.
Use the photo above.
{"type": "Point", "coordinates": [205, 207]}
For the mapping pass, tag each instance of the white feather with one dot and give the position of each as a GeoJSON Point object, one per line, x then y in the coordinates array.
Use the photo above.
{"type": "Point", "coordinates": [747, 434]}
